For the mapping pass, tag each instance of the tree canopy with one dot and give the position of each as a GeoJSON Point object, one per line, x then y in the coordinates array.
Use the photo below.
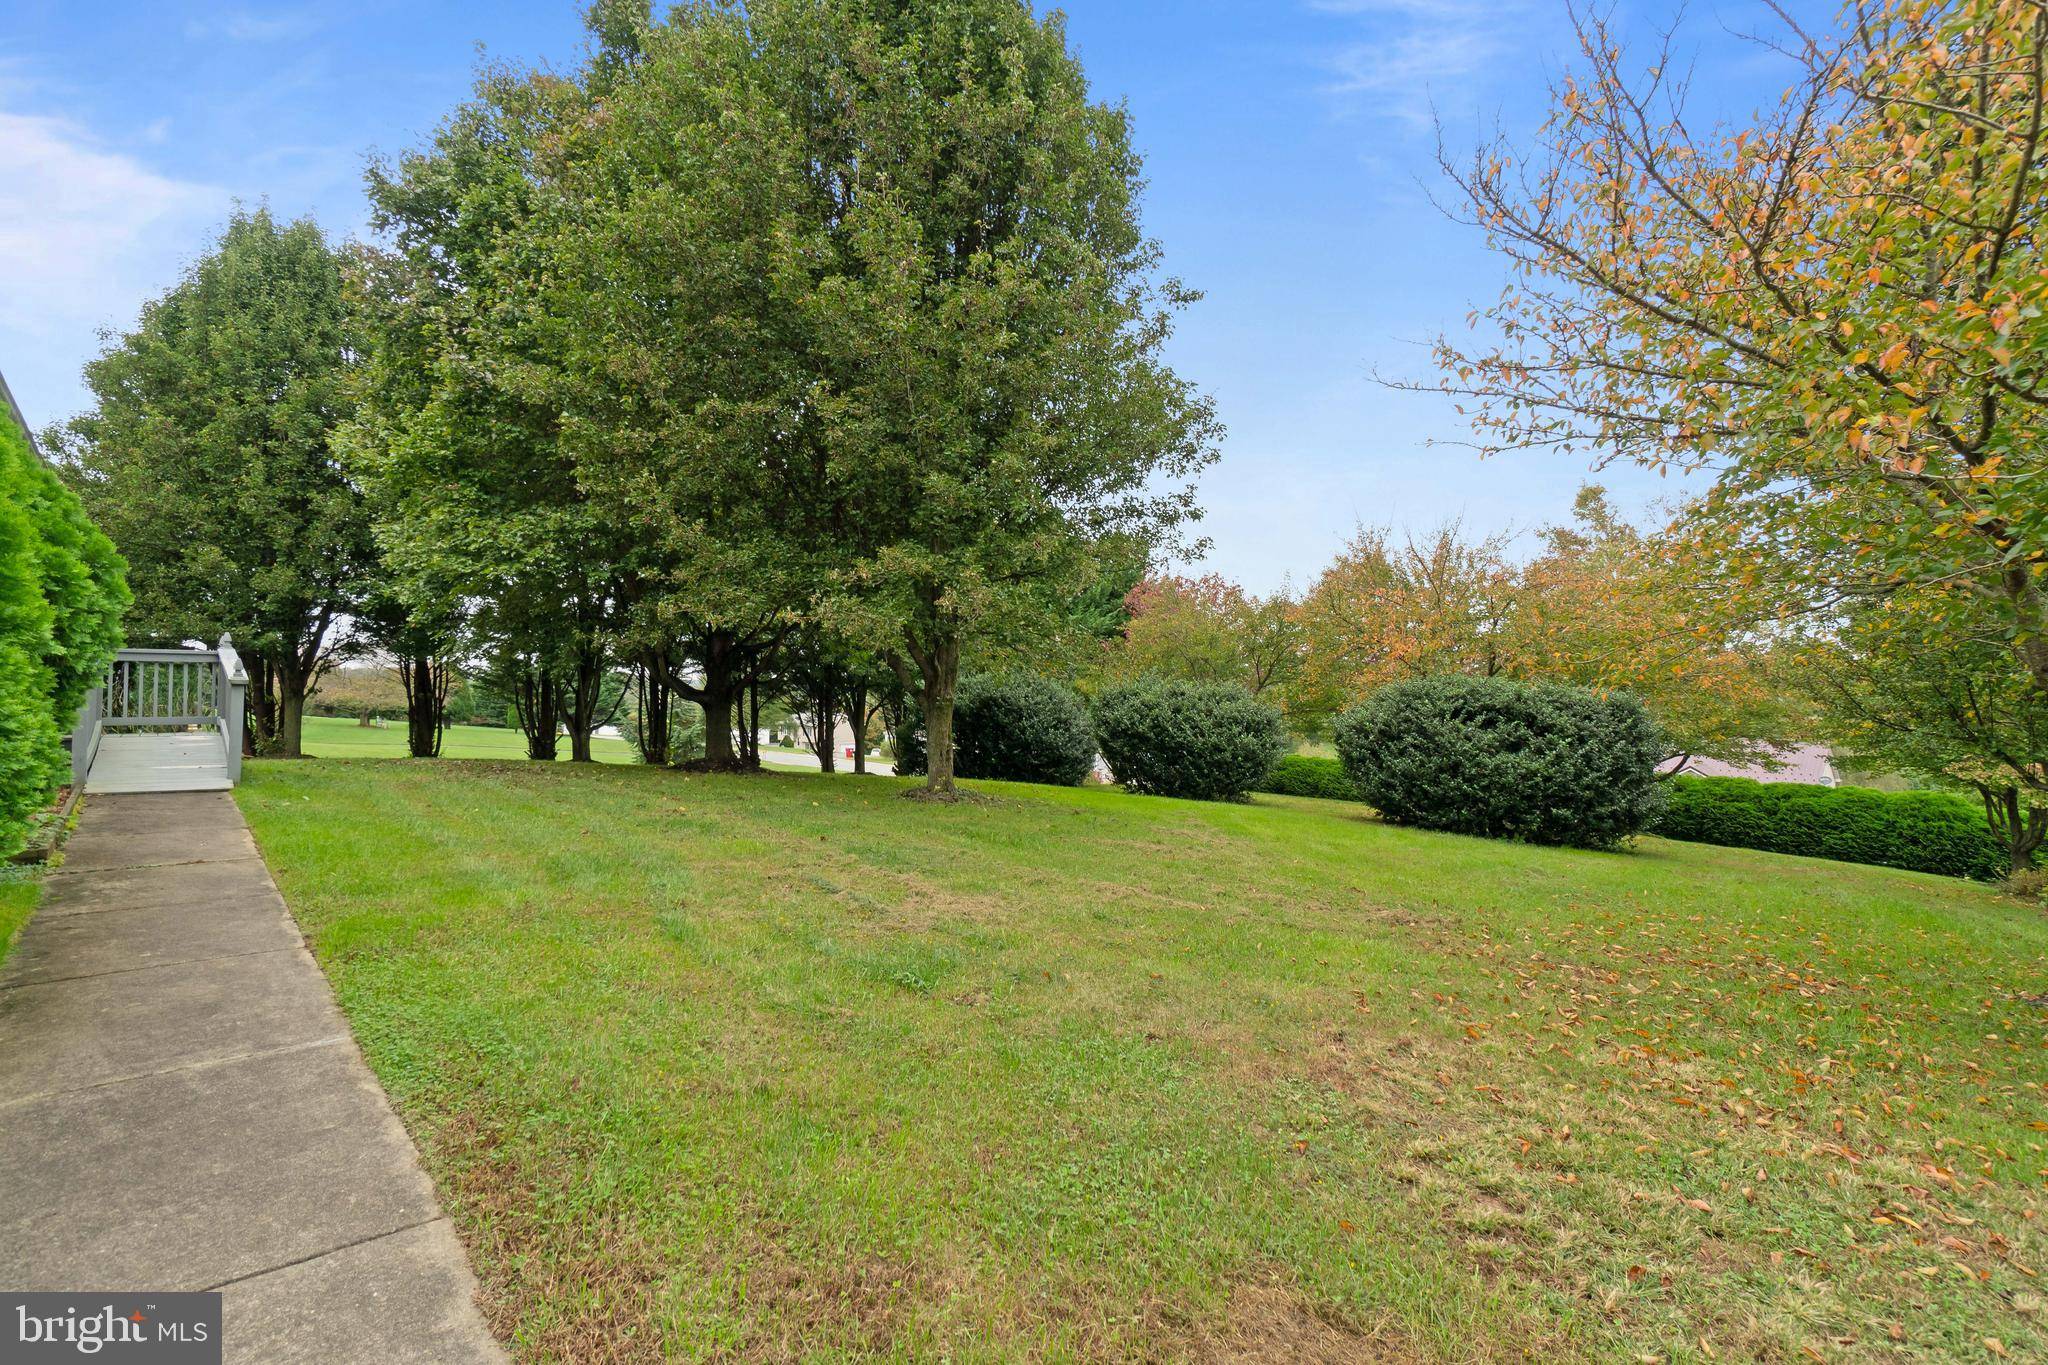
{"type": "Point", "coordinates": [208, 459]}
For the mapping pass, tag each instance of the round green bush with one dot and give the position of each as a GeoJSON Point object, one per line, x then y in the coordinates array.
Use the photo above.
{"type": "Point", "coordinates": [1008, 727]}
{"type": "Point", "coordinates": [1017, 727]}
{"type": "Point", "coordinates": [1204, 741]}
{"type": "Point", "coordinates": [1536, 762]}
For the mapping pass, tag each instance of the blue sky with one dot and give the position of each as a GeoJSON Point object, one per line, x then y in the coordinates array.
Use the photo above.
{"type": "Point", "coordinates": [1288, 144]}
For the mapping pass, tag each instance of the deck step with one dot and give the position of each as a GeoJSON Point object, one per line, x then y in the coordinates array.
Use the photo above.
{"type": "Point", "coordinates": [182, 761]}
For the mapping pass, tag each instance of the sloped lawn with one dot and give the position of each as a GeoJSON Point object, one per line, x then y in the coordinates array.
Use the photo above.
{"type": "Point", "coordinates": [787, 1068]}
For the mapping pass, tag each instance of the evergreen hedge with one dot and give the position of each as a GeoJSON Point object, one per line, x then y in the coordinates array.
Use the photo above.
{"type": "Point", "coordinates": [29, 738]}
{"type": "Point", "coordinates": [62, 593]}
{"type": "Point", "coordinates": [1918, 831]}
{"type": "Point", "coordinates": [1536, 762]}
{"type": "Point", "coordinates": [1203, 741]}
{"type": "Point", "coordinates": [1305, 775]}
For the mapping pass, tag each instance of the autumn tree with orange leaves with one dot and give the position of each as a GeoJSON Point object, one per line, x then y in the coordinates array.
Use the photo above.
{"type": "Point", "coordinates": [1837, 313]}
{"type": "Point", "coordinates": [1385, 610]}
{"type": "Point", "coordinates": [1206, 629]}
{"type": "Point", "coordinates": [1603, 605]}
{"type": "Point", "coordinates": [1609, 606]}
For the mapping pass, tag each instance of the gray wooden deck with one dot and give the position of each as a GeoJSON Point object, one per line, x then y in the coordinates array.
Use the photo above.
{"type": "Point", "coordinates": [162, 720]}
{"type": "Point", "coordinates": [180, 761]}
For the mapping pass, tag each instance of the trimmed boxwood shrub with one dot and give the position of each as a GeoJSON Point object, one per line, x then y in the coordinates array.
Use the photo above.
{"type": "Point", "coordinates": [1537, 762]}
{"type": "Point", "coordinates": [1304, 775]}
{"type": "Point", "coordinates": [1204, 741]}
{"type": "Point", "coordinates": [1009, 727]}
{"type": "Point", "coordinates": [1918, 831]}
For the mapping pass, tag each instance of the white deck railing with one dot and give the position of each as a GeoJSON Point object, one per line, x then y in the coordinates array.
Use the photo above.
{"type": "Point", "coordinates": [165, 689]}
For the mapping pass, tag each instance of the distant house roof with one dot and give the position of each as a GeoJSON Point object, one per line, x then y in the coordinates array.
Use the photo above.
{"type": "Point", "coordinates": [14, 410]}
{"type": "Point", "coordinates": [1802, 763]}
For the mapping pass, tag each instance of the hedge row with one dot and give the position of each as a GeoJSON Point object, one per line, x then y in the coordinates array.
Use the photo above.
{"type": "Point", "coordinates": [62, 593]}
{"type": "Point", "coordinates": [1918, 831]}
{"type": "Point", "coordinates": [1303, 775]}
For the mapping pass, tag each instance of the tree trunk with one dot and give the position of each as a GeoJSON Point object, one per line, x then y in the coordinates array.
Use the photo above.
{"type": "Point", "coordinates": [752, 747]}
{"type": "Point", "coordinates": [287, 741]}
{"type": "Point", "coordinates": [723, 698]}
{"type": "Point", "coordinates": [260, 708]}
{"type": "Point", "coordinates": [857, 721]}
{"type": "Point", "coordinates": [821, 704]}
{"type": "Point", "coordinates": [2020, 826]}
{"type": "Point", "coordinates": [291, 712]}
{"type": "Point", "coordinates": [539, 708]}
{"type": "Point", "coordinates": [717, 702]}
{"type": "Point", "coordinates": [651, 724]}
{"type": "Point", "coordinates": [941, 668]}
{"type": "Point", "coordinates": [587, 690]}
{"type": "Point", "coordinates": [426, 697]}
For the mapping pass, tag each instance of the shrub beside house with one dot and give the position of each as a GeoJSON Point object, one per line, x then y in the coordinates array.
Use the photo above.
{"type": "Point", "coordinates": [63, 591]}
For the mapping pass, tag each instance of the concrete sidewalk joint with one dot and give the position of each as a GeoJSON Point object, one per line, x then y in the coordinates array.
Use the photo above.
{"type": "Point", "coordinates": [186, 1108]}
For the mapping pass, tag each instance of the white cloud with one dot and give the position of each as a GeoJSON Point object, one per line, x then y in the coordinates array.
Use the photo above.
{"type": "Point", "coordinates": [79, 223]}
{"type": "Point", "coordinates": [86, 233]}
{"type": "Point", "coordinates": [1412, 50]}
{"type": "Point", "coordinates": [247, 26]}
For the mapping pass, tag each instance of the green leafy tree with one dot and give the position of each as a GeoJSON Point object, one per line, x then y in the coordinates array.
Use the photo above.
{"type": "Point", "coordinates": [676, 247]}
{"type": "Point", "coordinates": [1911, 686]}
{"type": "Point", "coordinates": [992, 332]}
{"type": "Point", "coordinates": [1611, 607]}
{"type": "Point", "coordinates": [1208, 629]}
{"type": "Point", "coordinates": [209, 460]}
{"type": "Point", "coordinates": [459, 440]}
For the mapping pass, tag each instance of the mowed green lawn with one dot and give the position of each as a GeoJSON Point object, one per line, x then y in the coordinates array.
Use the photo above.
{"type": "Point", "coordinates": [785, 1067]}
{"type": "Point", "coordinates": [343, 737]}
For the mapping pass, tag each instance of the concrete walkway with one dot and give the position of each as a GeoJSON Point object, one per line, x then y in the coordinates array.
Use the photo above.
{"type": "Point", "coordinates": [182, 1107]}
